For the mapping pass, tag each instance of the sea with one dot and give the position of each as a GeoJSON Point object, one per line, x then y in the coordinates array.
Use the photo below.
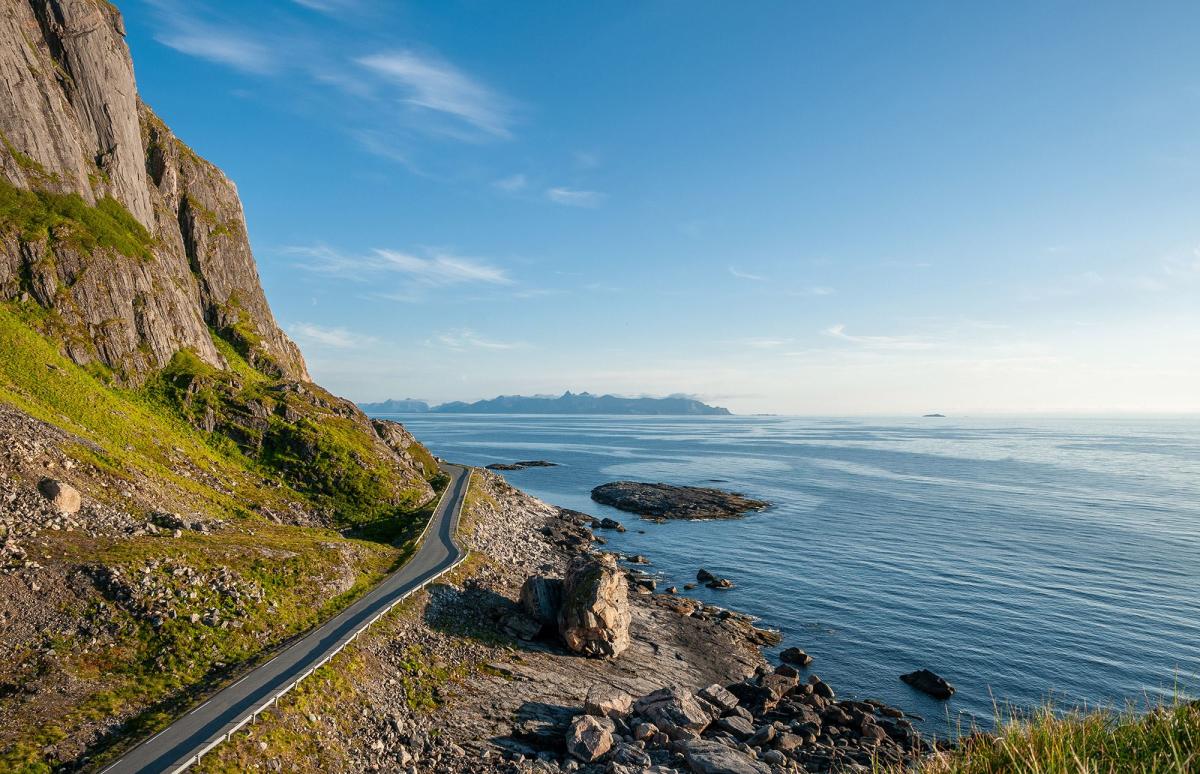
{"type": "Point", "coordinates": [1025, 560]}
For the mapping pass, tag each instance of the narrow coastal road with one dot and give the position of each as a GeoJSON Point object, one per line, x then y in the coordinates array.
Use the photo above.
{"type": "Point", "coordinates": [179, 745]}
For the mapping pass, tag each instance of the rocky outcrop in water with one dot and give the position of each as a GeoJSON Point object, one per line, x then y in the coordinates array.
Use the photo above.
{"type": "Point", "coordinates": [666, 501]}
{"type": "Point", "coordinates": [928, 682]}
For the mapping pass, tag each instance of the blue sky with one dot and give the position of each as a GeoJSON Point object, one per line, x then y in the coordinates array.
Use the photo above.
{"type": "Point", "coordinates": [817, 208]}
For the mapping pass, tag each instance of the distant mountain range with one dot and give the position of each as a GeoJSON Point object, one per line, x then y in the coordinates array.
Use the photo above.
{"type": "Point", "coordinates": [567, 403]}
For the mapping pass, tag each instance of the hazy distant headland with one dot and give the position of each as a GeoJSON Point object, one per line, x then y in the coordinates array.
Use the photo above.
{"type": "Point", "coordinates": [567, 403]}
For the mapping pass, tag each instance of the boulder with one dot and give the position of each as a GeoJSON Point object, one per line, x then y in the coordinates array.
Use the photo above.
{"type": "Point", "coordinates": [928, 682]}
{"type": "Point", "coordinates": [594, 617]}
{"type": "Point", "coordinates": [62, 496]}
{"type": "Point", "coordinates": [590, 737]}
{"type": "Point", "coordinates": [720, 698]}
{"type": "Point", "coordinates": [704, 576]}
{"type": "Point", "coordinates": [736, 725]}
{"type": "Point", "coordinates": [674, 710]}
{"type": "Point", "coordinates": [541, 598]}
{"type": "Point", "coordinates": [796, 656]}
{"type": "Point", "coordinates": [705, 757]}
{"type": "Point", "coordinates": [720, 583]}
{"type": "Point", "coordinates": [607, 701]}
{"type": "Point", "coordinates": [607, 523]}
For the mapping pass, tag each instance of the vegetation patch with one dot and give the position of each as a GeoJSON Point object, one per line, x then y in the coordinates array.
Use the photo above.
{"type": "Point", "coordinates": [67, 219]}
{"type": "Point", "coordinates": [1165, 740]}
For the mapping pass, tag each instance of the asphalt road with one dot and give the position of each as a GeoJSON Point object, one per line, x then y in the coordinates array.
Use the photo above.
{"type": "Point", "coordinates": [176, 747]}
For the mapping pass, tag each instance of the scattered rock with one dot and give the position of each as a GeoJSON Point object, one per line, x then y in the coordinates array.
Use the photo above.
{"type": "Point", "coordinates": [796, 656]}
{"type": "Point", "coordinates": [62, 496]}
{"type": "Point", "coordinates": [707, 757]}
{"type": "Point", "coordinates": [607, 523]}
{"type": "Point", "coordinates": [928, 682]}
{"type": "Point", "coordinates": [590, 737]}
{"type": "Point", "coordinates": [607, 701]}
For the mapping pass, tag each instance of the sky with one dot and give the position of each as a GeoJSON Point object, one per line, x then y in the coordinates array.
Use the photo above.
{"type": "Point", "coordinates": [787, 207]}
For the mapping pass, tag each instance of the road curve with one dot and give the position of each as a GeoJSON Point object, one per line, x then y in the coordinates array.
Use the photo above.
{"type": "Point", "coordinates": [178, 746]}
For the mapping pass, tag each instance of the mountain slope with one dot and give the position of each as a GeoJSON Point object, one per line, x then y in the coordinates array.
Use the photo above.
{"type": "Point", "coordinates": [225, 502]}
{"type": "Point", "coordinates": [583, 403]}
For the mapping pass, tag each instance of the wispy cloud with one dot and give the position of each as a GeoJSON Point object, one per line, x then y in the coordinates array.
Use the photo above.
{"type": "Point", "coordinates": [429, 83]}
{"type": "Point", "coordinates": [188, 33]}
{"type": "Point", "coordinates": [879, 342]}
{"type": "Point", "coordinates": [436, 268]}
{"type": "Point", "coordinates": [735, 271]}
{"type": "Point", "coordinates": [512, 183]}
{"type": "Point", "coordinates": [327, 6]}
{"type": "Point", "coordinates": [574, 197]}
{"type": "Point", "coordinates": [339, 338]}
{"type": "Point", "coordinates": [814, 290]}
{"type": "Point", "coordinates": [464, 338]}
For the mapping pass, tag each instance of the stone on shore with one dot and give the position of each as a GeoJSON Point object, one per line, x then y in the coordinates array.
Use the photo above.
{"type": "Point", "coordinates": [594, 618]}
{"type": "Point", "coordinates": [706, 757]}
{"type": "Point", "coordinates": [607, 701]}
{"type": "Point", "coordinates": [590, 737]}
{"type": "Point", "coordinates": [796, 656]}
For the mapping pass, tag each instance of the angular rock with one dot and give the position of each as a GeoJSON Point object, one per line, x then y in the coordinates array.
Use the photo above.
{"type": "Point", "coordinates": [928, 682]}
{"type": "Point", "coordinates": [594, 618]}
{"type": "Point", "coordinates": [61, 495]}
{"type": "Point", "coordinates": [719, 697]}
{"type": "Point", "coordinates": [607, 701]}
{"type": "Point", "coordinates": [589, 737]}
{"type": "Point", "coordinates": [705, 757]}
{"type": "Point", "coordinates": [796, 656]}
{"type": "Point", "coordinates": [675, 710]}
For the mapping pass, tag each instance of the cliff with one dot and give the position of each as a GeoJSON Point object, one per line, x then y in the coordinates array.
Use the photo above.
{"type": "Point", "coordinates": [134, 245]}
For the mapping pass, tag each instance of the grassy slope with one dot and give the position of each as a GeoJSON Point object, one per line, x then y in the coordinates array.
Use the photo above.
{"type": "Point", "coordinates": [146, 672]}
{"type": "Point", "coordinates": [1165, 740]}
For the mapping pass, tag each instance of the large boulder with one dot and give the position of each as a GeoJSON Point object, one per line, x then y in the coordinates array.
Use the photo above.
{"type": "Point", "coordinates": [62, 496]}
{"type": "Point", "coordinates": [705, 757]}
{"type": "Point", "coordinates": [675, 710]}
{"type": "Point", "coordinates": [607, 701]}
{"type": "Point", "coordinates": [590, 737]}
{"type": "Point", "coordinates": [541, 599]}
{"type": "Point", "coordinates": [594, 618]}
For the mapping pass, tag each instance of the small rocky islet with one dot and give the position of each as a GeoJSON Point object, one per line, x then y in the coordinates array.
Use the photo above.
{"type": "Point", "coordinates": [522, 465]}
{"type": "Point", "coordinates": [660, 501]}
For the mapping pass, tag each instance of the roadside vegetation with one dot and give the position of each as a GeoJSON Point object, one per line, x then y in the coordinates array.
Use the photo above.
{"type": "Point", "coordinates": [137, 449]}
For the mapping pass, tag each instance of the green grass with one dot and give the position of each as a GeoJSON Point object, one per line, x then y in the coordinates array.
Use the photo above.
{"type": "Point", "coordinates": [150, 674]}
{"type": "Point", "coordinates": [68, 219]}
{"type": "Point", "coordinates": [1165, 740]}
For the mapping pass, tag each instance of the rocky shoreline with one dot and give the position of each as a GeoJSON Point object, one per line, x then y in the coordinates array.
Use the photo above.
{"type": "Point", "coordinates": [485, 672]}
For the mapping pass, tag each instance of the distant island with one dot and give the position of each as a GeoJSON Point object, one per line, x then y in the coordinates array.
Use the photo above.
{"type": "Point", "coordinates": [567, 403]}
{"type": "Point", "coordinates": [394, 406]}
{"type": "Point", "coordinates": [943, 416]}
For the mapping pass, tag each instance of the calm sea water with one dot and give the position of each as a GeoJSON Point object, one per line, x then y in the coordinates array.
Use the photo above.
{"type": "Point", "coordinates": [1022, 559]}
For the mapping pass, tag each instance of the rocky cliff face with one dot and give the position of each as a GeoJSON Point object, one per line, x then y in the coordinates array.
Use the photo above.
{"type": "Point", "coordinates": [134, 245]}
